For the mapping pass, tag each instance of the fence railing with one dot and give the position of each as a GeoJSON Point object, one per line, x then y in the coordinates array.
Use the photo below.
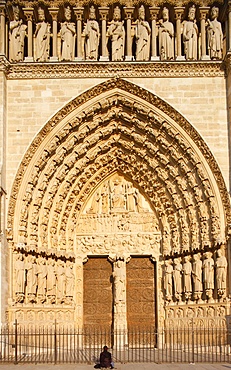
{"type": "Point", "coordinates": [63, 345]}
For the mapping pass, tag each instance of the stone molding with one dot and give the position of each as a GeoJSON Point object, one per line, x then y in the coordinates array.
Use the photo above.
{"type": "Point", "coordinates": [56, 3]}
{"type": "Point", "coordinates": [112, 69]}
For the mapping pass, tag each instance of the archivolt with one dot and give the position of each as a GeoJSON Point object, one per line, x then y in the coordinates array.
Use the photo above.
{"type": "Point", "coordinates": [118, 126]}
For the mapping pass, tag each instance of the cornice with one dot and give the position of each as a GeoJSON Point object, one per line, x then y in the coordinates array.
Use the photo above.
{"type": "Point", "coordinates": [29, 3]}
{"type": "Point", "coordinates": [111, 70]}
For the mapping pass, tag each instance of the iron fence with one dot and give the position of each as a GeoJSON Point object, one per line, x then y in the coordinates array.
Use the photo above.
{"type": "Point", "coordinates": [62, 345]}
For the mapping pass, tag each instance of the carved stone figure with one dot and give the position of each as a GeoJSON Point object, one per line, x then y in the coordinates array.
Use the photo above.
{"type": "Point", "coordinates": [187, 274]}
{"type": "Point", "coordinates": [16, 37]}
{"type": "Point", "coordinates": [91, 34]}
{"type": "Point", "coordinates": [142, 33]}
{"type": "Point", "coordinates": [197, 276]}
{"type": "Point", "coordinates": [119, 275]}
{"type": "Point", "coordinates": [60, 282]}
{"type": "Point", "coordinates": [168, 272]}
{"type": "Point", "coordinates": [105, 198]}
{"type": "Point", "coordinates": [190, 33]}
{"type": "Point", "coordinates": [42, 38]}
{"type": "Point", "coordinates": [31, 278]}
{"type": "Point", "coordinates": [177, 278]}
{"type": "Point", "coordinates": [20, 275]}
{"type": "Point", "coordinates": [42, 279]}
{"type": "Point", "coordinates": [67, 33]}
{"type": "Point", "coordinates": [118, 195]}
{"type": "Point", "coordinates": [208, 274]}
{"type": "Point", "coordinates": [221, 272]}
{"type": "Point", "coordinates": [131, 197]}
{"type": "Point", "coordinates": [166, 34]}
{"type": "Point", "coordinates": [51, 281]}
{"type": "Point", "coordinates": [70, 282]}
{"type": "Point", "coordinates": [215, 35]}
{"type": "Point", "coordinates": [116, 32]}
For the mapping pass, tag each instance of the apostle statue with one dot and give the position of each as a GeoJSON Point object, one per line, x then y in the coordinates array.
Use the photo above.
{"type": "Point", "coordinates": [208, 275]}
{"type": "Point", "coordinates": [166, 37]}
{"type": "Point", "coordinates": [187, 275]}
{"type": "Point", "coordinates": [51, 281]}
{"type": "Point", "coordinates": [116, 33]}
{"type": "Point", "coordinates": [168, 272]}
{"type": "Point", "coordinates": [197, 276]}
{"type": "Point", "coordinates": [67, 33]}
{"type": "Point", "coordinates": [42, 38]}
{"type": "Point", "coordinates": [16, 37]}
{"type": "Point", "coordinates": [31, 279]}
{"type": "Point", "coordinates": [215, 35]}
{"type": "Point", "coordinates": [42, 279]}
{"type": "Point", "coordinates": [91, 35]}
{"type": "Point", "coordinates": [20, 275]}
{"type": "Point", "coordinates": [190, 34]}
{"type": "Point", "coordinates": [143, 34]}
{"type": "Point", "coordinates": [221, 272]}
{"type": "Point", "coordinates": [177, 278]}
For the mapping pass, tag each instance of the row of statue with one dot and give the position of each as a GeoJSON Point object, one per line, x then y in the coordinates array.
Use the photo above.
{"type": "Point", "coordinates": [195, 278]}
{"type": "Point", "coordinates": [138, 32]}
{"type": "Point", "coordinates": [43, 281]}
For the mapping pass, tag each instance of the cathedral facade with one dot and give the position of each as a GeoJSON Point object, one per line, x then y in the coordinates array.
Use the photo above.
{"type": "Point", "coordinates": [115, 174]}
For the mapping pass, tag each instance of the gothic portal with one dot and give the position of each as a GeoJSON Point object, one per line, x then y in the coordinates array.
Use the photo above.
{"type": "Point", "coordinates": [118, 211]}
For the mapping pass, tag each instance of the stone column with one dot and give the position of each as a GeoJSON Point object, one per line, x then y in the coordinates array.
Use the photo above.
{"type": "Point", "coordinates": [54, 15]}
{"type": "Point", "coordinates": [154, 11]}
{"type": "Point", "coordinates": [103, 11]}
{"type": "Point", "coordinates": [229, 27]}
{"type": "Point", "coordinates": [128, 16]}
{"type": "Point", "coordinates": [203, 13]}
{"type": "Point", "coordinates": [29, 16]}
{"type": "Point", "coordinates": [2, 27]}
{"type": "Point", "coordinates": [178, 13]}
{"type": "Point", "coordinates": [79, 16]}
{"type": "Point", "coordinates": [78, 298]}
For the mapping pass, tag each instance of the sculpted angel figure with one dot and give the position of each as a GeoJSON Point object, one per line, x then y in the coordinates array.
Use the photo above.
{"type": "Point", "coordinates": [16, 37]}
{"type": "Point", "coordinates": [67, 33]}
{"type": "Point", "coordinates": [166, 35]}
{"type": "Point", "coordinates": [190, 34]}
{"type": "Point", "coordinates": [143, 33]}
{"type": "Point", "coordinates": [91, 34]}
{"type": "Point", "coordinates": [42, 38]}
{"type": "Point", "coordinates": [215, 35]}
{"type": "Point", "coordinates": [116, 33]}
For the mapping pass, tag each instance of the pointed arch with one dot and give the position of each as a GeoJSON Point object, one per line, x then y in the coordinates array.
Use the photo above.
{"type": "Point", "coordinates": [118, 127]}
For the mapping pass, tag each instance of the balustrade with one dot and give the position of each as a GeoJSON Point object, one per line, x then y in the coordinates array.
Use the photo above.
{"type": "Point", "coordinates": [177, 33]}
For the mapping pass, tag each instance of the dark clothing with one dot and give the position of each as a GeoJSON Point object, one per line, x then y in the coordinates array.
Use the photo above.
{"type": "Point", "coordinates": [105, 359]}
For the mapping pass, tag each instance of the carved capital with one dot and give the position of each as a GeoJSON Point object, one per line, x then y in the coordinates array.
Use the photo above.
{"type": "Point", "coordinates": [128, 10]}
{"type": "Point", "coordinates": [179, 10]}
{"type": "Point", "coordinates": [4, 65]}
{"type": "Point", "coordinates": [78, 12]}
{"type": "Point", "coordinates": [154, 11]}
{"type": "Point", "coordinates": [54, 13]}
{"type": "Point", "coordinates": [28, 13]}
{"type": "Point", "coordinates": [203, 12]}
{"type": "Point", "coordinates": [103, 12]}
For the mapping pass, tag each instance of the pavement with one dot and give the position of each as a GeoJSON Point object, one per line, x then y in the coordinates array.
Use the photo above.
{"type": "Point", "coordinates": [128, 366]}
